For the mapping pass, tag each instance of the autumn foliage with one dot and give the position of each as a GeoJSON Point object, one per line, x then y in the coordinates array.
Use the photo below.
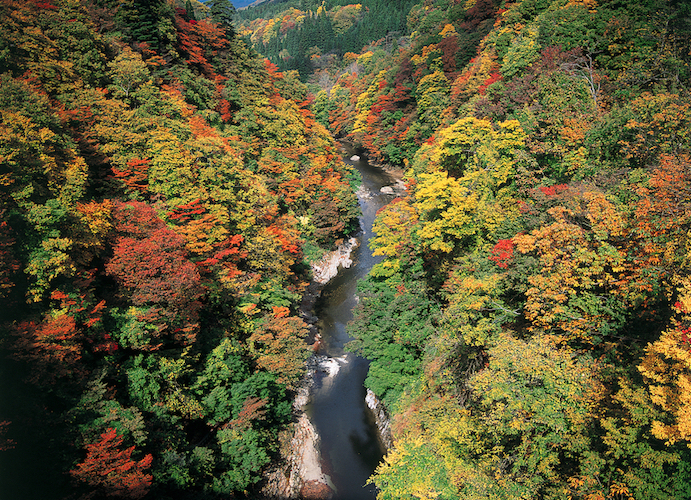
{"type": "Point", "coordinates": [543, 243]}
{"type": "Point", "coordinates": [159, 188]}
{"type": "Point", "coordinates": [162, 191]}
{"type": "Point", "coordinates": [111, 469]}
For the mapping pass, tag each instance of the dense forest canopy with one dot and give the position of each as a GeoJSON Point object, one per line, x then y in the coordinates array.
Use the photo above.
{"type": "Point", "coordinates": [164, 190]}
{"type": "Point", "coordinates": [529, 325]}
{"type": "Point", "coordinates": [163, 193]}
{"type": "Point", "coordinates": [302, 34]}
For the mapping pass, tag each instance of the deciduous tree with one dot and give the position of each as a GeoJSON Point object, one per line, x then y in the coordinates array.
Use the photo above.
{"type": "Point", "coordinates": [111, 469]}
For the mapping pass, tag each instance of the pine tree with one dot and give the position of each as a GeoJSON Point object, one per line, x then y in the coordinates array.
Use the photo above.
{"type": "Point", "coordinates": [190, 11]}
{"type": "Point", "coordinates": [223, 12]}
{"type": "Point", "coordinates": [144, 23]}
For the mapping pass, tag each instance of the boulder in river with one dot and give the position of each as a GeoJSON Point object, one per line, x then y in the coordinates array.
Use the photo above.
{"type": "Point", "coordinates": [355, 158]}
{"type": "Point", "coordinates": [314, 490]}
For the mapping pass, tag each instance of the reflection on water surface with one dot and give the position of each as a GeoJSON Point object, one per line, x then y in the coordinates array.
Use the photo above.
{"type": "Point", "coordinates": [350, 447]}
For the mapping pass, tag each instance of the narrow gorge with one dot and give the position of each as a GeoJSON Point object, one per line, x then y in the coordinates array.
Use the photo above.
{"type": "Point", "coordinates": [342, 421]}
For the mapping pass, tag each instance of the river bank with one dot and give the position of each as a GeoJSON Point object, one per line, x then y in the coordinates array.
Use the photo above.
{"type": "Point", "coordinates": [348, 147]}
{"type": "Point", "coordinates": [300, 474]}
{"type": "Point", "coordinates": [340, 432]}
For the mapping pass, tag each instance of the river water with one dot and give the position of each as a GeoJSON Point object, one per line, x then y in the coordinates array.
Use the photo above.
{"type": "Point", "coordinates": [350, 444]}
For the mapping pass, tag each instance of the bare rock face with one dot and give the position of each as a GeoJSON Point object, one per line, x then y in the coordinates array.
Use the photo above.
{"type": "Point", "coordinates": [327, 267]}
{"type": "Point", "coordinates": [381, 417]}
{"type": "Point", "coordinates": [399, 188]}
{"type": "Point", "coordinates": [301, 475]}
{"type": "Point", "coordinates": [314, 490]}
{"type": "Point", "coordinates": [306, 474]}
{"type": "Point", "coordinates": [276, 485]}
{"type": "Point", "coordinates": [305, 447]}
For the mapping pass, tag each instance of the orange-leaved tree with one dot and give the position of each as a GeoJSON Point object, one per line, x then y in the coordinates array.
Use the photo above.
{"type": "Point", "coordinates": [278, 344]}
{"type": "Point", "coordinates": [111, 469]}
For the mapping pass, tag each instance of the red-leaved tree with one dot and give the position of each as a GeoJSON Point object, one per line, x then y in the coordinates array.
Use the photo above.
{"type": "Point", "coordinates": [111, 469]}
{"type": "Point", "coordinates": [155, 269]}
{"type": "Point", "coordinates": [150, 262]}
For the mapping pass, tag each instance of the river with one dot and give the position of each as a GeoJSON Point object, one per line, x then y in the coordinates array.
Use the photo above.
{"type": "Point", "coordinates": [350, 444]}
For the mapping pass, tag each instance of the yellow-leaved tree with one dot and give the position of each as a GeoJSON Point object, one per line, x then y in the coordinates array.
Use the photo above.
{"type": "Point", "coordinates": [463, 190]}
{"type": "Point", "coordinates": [667, 370]}
{"type": "Point", "coordinates": [577, 291]}
{"type": "Point", "coordinates": [531, 407]}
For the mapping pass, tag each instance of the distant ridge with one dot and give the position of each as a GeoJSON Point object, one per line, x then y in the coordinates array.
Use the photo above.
{"type": "Point", "coordinates": [242, 4]}
{"type": "Point", "coordinates": [255, 3]}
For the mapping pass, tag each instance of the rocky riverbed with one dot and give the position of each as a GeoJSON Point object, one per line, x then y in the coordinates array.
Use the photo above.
{"type": "Point", "coordinates": [300, 475]}
{"type": "Point", "coordinates": [304, 473]}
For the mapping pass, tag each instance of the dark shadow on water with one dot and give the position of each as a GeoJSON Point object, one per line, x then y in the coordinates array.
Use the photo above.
{"type": "Point", "coordinates": [350, 444]}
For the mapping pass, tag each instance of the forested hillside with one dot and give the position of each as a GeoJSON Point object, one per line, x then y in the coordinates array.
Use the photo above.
{"type": "Point", "coordinates": [163, 190]}
{"type": "Point", "coordinates": [308, 34]}
{"type": "Point", "coordinates": [529, 327]}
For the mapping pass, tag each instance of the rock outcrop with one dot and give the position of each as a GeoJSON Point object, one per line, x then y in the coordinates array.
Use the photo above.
{"type": "Point", "coordinates": [300, 476]}
{"type": "Point", "coordinates": [314, 490]}
{"type": "Point", "coordinates": [306, 461]}
{"type": "Point", "coordinates": [381, 417]}
{"type": "Point", "coordinates": [327, 267]}
{"type": "Point", "coordinates": [398, 189]}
